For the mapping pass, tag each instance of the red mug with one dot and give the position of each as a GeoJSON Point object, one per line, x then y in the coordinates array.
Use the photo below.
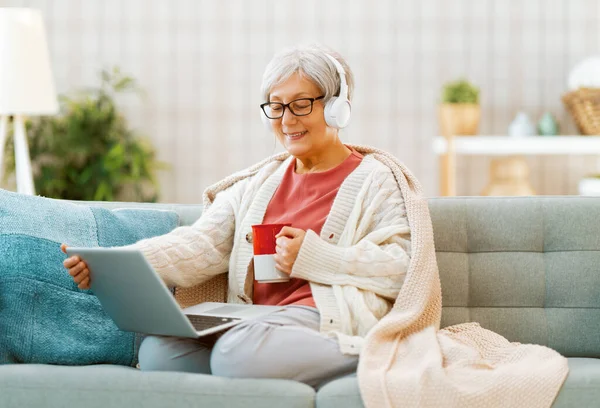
{"type": "Point", "coordinates": [264, 243]}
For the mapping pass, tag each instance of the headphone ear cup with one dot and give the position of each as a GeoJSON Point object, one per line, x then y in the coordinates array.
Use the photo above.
{"type": "Point", "coordinates": [337, 112]}
{"type": "Point", "coordinates": [329, 118]}
{"type": "Point", "coordinates": [266, 122]}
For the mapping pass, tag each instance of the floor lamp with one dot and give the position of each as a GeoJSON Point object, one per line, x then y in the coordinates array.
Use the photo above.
{"type": "Point", "coordinates": [26, 84]}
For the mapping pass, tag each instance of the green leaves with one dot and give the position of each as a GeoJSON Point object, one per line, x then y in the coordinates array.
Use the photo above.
{"type": "Point", "coordinates": [460, 91]}
{"type": "Point", "coordinates": [114, 159]}
{"type": "Point", "coordinates": [88, 152]}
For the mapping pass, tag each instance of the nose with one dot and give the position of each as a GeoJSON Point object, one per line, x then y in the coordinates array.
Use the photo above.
{"type": "Point", "coordinates": [288, 117]}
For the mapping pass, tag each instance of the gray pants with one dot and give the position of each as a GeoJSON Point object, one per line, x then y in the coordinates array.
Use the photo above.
{"type": "Point", "coordinates": [285, 344]}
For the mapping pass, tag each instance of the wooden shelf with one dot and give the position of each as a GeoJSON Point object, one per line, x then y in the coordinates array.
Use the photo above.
{"type": "Point", "coordinates": [531, 145]}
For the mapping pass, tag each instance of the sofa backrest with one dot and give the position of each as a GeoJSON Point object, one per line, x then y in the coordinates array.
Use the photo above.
{"type": "Point", "coordinates": [525, 267]}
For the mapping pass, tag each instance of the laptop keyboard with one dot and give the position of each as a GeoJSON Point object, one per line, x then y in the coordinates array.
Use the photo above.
{"type": "Point", "coordinates": [207, 322]}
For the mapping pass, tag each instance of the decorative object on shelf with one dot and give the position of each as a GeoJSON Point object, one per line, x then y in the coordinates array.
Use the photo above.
{"type": "Point", "coordinates": [586, 74]}
{"type": "Point", "coordinates": [88, 152]}
{"type": "Point", "coordinates": [26, 84]}
{"type": "Point", "coordinates": [509, 176]}
{"type": "Point", "coordinates": [548, 125]}
{"type": "Point", "coordinates": [584, 106]}
{"type": "Point", "coordinates": [583, 99]}
{"type": "Point", "coordinates": [521, 126]}
{"type": "Point", "coordinates": [460, 111]}
{"type": "Point", "coordinates": [590, 185]}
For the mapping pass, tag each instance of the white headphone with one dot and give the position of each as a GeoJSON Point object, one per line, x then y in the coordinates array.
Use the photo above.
{"type": "Point", "coordinates": [337, 109]}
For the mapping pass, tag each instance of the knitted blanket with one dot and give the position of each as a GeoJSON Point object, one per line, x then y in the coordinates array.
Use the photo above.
{"type": "Point", "coordinates": [407, 361]}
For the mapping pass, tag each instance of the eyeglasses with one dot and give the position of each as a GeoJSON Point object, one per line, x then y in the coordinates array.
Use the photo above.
{"type": "Point", "coordinates": [298, 107]}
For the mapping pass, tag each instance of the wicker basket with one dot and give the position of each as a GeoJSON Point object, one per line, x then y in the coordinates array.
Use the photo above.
{"type": "Point", "coordinates": [584, 105]}
{"type": "Point", "coordinates": [214, 290]}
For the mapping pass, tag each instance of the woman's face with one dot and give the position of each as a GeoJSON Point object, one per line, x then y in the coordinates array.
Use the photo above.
{"type": "Point", "coordinates": [301, 136]}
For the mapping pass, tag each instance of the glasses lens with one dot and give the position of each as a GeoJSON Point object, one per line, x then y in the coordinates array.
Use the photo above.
{"type": "Point", "coordinates": [274, 110]}
{"type": "Point", "coordinates": [301, 107]}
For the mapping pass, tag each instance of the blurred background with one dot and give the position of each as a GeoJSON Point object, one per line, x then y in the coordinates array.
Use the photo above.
{"type": "Point", "coordinates": [200, 64]}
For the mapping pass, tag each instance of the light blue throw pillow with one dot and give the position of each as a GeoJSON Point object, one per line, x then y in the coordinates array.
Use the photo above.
{"type": "Point", "coordinates": [44, 317]}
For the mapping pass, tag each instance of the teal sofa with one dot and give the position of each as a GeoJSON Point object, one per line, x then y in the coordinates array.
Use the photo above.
{"type": "Point", "coordinates": [527, 268]}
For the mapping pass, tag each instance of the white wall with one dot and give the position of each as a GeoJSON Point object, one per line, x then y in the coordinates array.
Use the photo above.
{"type": "Point", "coordinates": [201, 63]}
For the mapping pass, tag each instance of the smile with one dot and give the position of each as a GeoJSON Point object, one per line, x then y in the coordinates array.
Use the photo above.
{"type": "Point", "coordinates": [295, 136]}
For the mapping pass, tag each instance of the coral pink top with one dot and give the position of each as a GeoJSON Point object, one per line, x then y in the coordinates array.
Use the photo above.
{"type": "Point", "coordinates": [304, 200]}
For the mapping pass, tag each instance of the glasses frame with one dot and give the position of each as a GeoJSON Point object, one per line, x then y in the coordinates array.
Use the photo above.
{"type": "Point", "coordinates": [287, 105]}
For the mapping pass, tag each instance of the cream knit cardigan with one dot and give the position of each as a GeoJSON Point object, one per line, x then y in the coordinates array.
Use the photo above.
{"type": "Point", "coordinates": [366, 255]}
{"type": "Point", "coordinates": [355, 267]}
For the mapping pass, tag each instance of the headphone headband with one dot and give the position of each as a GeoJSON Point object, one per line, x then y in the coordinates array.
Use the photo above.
{"type": "Point", "coordinates": [342, 75]}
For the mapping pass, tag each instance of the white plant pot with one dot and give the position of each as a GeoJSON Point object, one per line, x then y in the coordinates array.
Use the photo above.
{"type": "Point", "coordinates": [589, 186]}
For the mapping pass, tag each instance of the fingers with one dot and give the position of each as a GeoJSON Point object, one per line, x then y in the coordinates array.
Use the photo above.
{"type": "Point", "coordinates": [287, 245]}
{"type": "Point", "coordinates": [281, 264]}
{"type": "Point", "coordinates": [74, 269]}
{"type": "Point", "coordinates": [289, 232]}
{"type": "Point", "coordinates": [85, 283]}
{"type": "Point", "coordinates": [84, 275]}
{"type": "Point", "coordinates": [80, 273]}
{"type": "Point", "coordinates": [281, 242]}
{"type": "Point", "coordinates": [78, 269]}
{"type": "Point", "coordinates": [282, 250]}
{"type": "Point", "coordinates": [282, 269]}
{"type": "Point", "coordinates": [71, 262]}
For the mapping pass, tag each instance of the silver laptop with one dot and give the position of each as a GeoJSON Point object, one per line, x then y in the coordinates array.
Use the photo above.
{"type": "Point", "coordinates": [136, 298]}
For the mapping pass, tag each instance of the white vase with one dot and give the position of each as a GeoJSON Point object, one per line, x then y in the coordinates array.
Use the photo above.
{"type": "Point", "coordinates": [589, 186]}
{"type": "Point", "coordinates": [522, 126]}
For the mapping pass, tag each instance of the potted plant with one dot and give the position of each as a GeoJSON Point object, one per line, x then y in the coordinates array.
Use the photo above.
{"type": "Point", "coordinates": [460, 111]}
{"type": "Point", "coordinates": [88, 151]}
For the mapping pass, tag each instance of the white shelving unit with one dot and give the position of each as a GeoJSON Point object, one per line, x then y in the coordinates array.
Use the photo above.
{"type": "Point", "coordinates": [449, 148]}
{"type": "Point", "coordinates": [508, 146]}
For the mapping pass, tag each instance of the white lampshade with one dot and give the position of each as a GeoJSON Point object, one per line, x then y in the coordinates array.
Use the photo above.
{"type": "Point", "coordinates": [26, 82]}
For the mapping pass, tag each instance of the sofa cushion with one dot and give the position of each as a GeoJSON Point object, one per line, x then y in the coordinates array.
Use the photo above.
{"type": "Point", "coordinates": [111, 386]}
{"type": "Point", "coordinates": [524, 267]}
{"type": "Point", "coordinates": [581, 389]}
{"type": "Point", "coordinates": [44, 317]}
{"type": "Point", "coordinates": [343, 392]}
{"type": "Point", "coordinates": [188, 213]}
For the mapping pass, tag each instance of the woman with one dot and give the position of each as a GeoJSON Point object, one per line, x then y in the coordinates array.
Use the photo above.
{"type": "Point", "coordinates": [347, 251]}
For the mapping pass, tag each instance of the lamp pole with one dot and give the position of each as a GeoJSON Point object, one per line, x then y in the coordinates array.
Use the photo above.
{"type": "Point", "coordinates": [22, 160]}
{"type": "Point", "coordinates": [3, 131]}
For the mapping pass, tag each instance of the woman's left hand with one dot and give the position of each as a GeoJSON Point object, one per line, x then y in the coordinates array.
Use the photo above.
{"type": "Point", "coordinates": [289, 241]}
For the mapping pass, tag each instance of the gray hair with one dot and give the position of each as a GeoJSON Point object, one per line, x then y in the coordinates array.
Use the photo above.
{"type": "Point", "coordinates": [311, 62]}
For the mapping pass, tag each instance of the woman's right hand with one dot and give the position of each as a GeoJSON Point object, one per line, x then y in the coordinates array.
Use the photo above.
{"type": "Point", "coordinates": [78, 269]}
